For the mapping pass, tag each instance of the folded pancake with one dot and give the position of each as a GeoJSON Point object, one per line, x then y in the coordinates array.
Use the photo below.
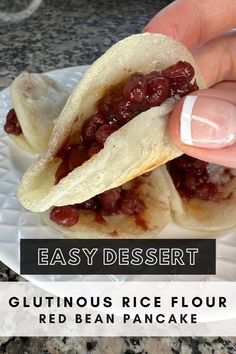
{"type": "Point", "coordinates": [203, 195]}
{"type": "Point", "coordinates": [154, 216]}
{"type": "Point", "coordinates": [37, 101]}
{"type": "Point", "coordinates": [141, 145]}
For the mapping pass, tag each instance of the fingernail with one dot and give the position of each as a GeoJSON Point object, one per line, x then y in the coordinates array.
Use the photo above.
{"type": "Point", "coordinates": [208, 122]}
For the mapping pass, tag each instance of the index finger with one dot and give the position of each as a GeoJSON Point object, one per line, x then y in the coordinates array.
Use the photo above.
{"type": "Point", "coordinates": [193, 22]}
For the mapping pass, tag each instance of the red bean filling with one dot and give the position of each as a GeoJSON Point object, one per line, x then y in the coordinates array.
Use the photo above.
{"type": "Point", "coordinates": [12, 125]}
{"type": "Point", "coordinates": [122, 103]}
{"type": "Point", "coordinates": [65, 215]}
{"type": "Point", "coordinates": [114, 201]}
{"type": "Point", "coordinates": [191, 178]}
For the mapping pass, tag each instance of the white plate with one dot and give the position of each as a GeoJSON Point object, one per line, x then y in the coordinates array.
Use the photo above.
{"type": "Point", "coordinates": [16, 222]}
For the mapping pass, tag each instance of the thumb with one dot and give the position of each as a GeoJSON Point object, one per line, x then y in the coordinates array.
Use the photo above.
{"type": "Point", "coordinates": [203, 125]}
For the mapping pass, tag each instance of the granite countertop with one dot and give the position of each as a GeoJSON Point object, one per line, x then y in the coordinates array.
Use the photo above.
{"type": "Point", "coordinates": [42, 35]}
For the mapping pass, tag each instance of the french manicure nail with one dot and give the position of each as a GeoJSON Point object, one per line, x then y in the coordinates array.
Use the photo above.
{"type": "Point", "coordinates": [208, 122]}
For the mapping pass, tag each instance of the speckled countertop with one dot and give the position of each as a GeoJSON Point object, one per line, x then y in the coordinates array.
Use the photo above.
{"type": "Point", "coordinates": [55, 34]}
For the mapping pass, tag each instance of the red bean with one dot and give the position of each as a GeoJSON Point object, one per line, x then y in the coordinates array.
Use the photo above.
{"type": "Point", "coordinates": [105, 107]}
{"type": "Point", "coordinates": [183, 162]}
{"type": "Point", "coordinates": [110, 196]}
{"type": "Point", "coordinates": [123, 112]}
{"type": "Point", "coordinates": [135, 88]}
{"type": "Point", "coordinates": [78, 155]}
{"type": "Point", "coordinates": [90, 204]}
{"type": "Point", "coordinates": [90, 127]}
{"type": "Point", "coordinates": [158, 90]}
{"type": "Point", "coordinates": [9, 128]}
{"type": "Point", "coordinates": [200, 168]}
{"type": "Point", "coordinates": [191, 178]}
{"type": "Point", "coordinates": [17, 130]}
{"type": "Point", "coordinates": [181, 69]}
{"type": "Point", "coordinates": [131, 204]}
{"type": "Point", "coordinates": [11, 116]}
{"type": "Point", "coordinates": [62, 171]}
{"type": "Point", "coordinates": [108, 104]}
{"type": "Point", "coordinates": [206, 191]}
{"type": "Point", "coordinates": [182, 88]}
{"type": "Point", "coordinates": [94, 149]}
{"type": "Point", "coordinates": [108, 201]}
{"type": "Point", "coordinates": [191, 182]}
{"type": "Point", "coordinates": [109, 209]}
{"type": "Point", "coordinates": [12, 125]}
{"type": "Point", "coordinates": [66, 215]}
{"type": "Point", "coordinates": [104, 131]}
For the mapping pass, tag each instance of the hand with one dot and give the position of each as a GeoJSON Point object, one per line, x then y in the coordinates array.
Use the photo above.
{"type": "Point", "coordinates": [203, 125]}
